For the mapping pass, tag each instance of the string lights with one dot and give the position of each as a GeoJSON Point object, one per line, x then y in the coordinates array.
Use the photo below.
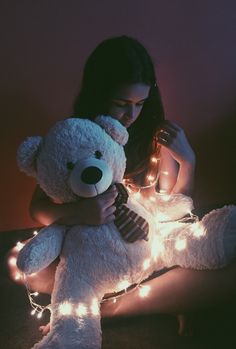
{"type": "Point", "coordinates": [151, 203]}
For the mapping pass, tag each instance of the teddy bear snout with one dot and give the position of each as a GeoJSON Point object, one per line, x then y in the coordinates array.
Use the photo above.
{"type": "Point", "coordinates": [90, 177]}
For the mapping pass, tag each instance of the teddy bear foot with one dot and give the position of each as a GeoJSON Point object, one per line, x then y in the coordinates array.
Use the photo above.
{"type": "Point", "coordinates": [72, 334]}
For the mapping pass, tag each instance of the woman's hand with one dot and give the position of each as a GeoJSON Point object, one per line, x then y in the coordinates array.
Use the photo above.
{"type": "Point", "coordinates": [177, 160]}
{"type": "Point", "coordinates": [97, 210]}
{"type": "Point", "coordinates": [172, 137]}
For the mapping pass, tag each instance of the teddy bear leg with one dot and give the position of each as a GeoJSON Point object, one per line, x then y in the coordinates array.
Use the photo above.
{"type": "Point", "coordinates": [207, 244]}
{"type": "Point", "coordinates": [75, 318]}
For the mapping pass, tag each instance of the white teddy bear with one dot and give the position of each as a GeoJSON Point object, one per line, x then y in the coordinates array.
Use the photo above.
{"type": "Point", "coordinates": [82, 158]}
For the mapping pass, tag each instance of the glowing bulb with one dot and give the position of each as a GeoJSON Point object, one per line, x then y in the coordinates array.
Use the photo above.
{"type": "Point", "coordinates": [144, 291]}
{"type": "Point", "coordinates": [19, 245]}
{"type": "Point", "coordinates": [40, 315]}
{"type": "Point", "coordinates": [35, 233]}
{"type": "Point", "coordinates": [81, 310]}
{"type": "Point", "coordinates": [150, 178]}
{"type": "Point", "coordinates": [180, 245]}
{"type": "Point", "coordinates": [165, 197]}
{"type": "Point", "coordinates": [123, 285]}
{"type": "Point", "coordinates": [95, 307]}
{"type": "Point", "coordinates": [137, 195]}
{"type": "Point", "coordinates": [146, 264]}
{"type": "Point", "coordinates": [65, 308]}
{"type": "Point", "coordinates": [32, 275]}
{"type": "Point", "coordinates": [154, 159]}
{"type": "Point", "coordinates": [198, 230]}
{"type": "Point", "coordinates": [12, 261]}
{"type": "Point", "coordinates": [33, 312]}
{"type": "Point", "coordinates": [17, 276]}
{"type": "Point", "coordinates": [157, 247]}
{"type": "Point", "coordinates": [35, 294]}
{"type": "Point", "coordinates": [162, 191]}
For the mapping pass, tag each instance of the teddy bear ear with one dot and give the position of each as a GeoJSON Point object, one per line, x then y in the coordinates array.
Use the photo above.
{"type": "Point", "coordinates": [27, 155]}
{"type": "Point", "coordinates": [114, 128]}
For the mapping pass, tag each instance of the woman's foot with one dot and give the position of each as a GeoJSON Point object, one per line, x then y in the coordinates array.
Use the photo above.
{"type": "Point", "coordinates": [185, 328]}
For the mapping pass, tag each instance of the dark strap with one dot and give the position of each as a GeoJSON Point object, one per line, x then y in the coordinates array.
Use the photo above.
{"type": "Point", "coordinates": [131, 226]}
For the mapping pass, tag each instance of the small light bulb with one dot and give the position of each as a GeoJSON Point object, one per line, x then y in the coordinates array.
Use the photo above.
{"type": "Point", "coordinates": [150, 178]}
{"type": "Point", "coordinates": [146, 264]}
{"type": "Point", "coordinates": [123, 285]}
{"type": "Point", "coordinates": [17, 276]}
{"type": "Point", "coordinates": [12, 261]}
{"type": "Point", "coordinates": [180, 245]}
{"type": "Point", "coordinates": [144, 291]}
{"type": "Point", "coordinates": [65, 308]}
{"type": "Point", "coordinates": [95, 307]}
{"type": "Point", "coordinates": [81, 310]}
{"type": "Point", "coordinates": [19, 245]}
{"type": "Point", "coordinates": [33, 312]}
{"type": "Point", "coordinates": [154, 159]}
{"type": "Point", "coordinates": [40, 315]}
{"type": "Point", "coordinates": [35, 233]}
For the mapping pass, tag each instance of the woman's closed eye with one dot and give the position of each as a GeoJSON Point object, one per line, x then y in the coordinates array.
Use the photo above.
{"type": "Point", "coordinates": [124, 104]}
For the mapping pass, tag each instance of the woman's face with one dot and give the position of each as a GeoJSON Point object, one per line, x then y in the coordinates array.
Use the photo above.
{"type": "Point", "coordinates": [127, 102]}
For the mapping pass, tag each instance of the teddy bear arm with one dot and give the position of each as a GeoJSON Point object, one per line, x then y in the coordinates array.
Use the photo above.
{"type": "Point", "coordinates": [41, 250]}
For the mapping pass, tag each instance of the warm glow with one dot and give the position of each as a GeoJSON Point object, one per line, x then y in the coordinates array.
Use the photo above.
{"type": "Point", "coordinates": [198, 230]}
{"type": "Point", "coordinates": [65, 308]}
{"type": "Point", "coordinates": [137, 195]}
{"type": "Point", "coordinates": [157, 247]}
{"type": "Point", "coordinates": [12, 261]}
{"type": "Point", "coordinates": [40, 315]}
{"type": "Point", "coordinates": [165, 197]}
{"type": "Point", "coordinates": [150, 178]}
{"type": "Point", "coordinates": [123, 285]}
{"type": "Point", "coordinates": [154, 159]}
{"type": "Point", "coordinates": [17, 276]}
{"type": "Point", "coordinates": [144, 291]}
{"type": "Point", "coordinates": [95, 309]}
{"type": "Point", "coordinates": [146, 264]}
{"type": "Point", "coordinates": [180, 244]}
{"type": "Point", "coordinates": [19, 245]}
{"type": "Point", "coordinates": [81, 310]}
{"type": "Point", "coordinates": [35, 233]}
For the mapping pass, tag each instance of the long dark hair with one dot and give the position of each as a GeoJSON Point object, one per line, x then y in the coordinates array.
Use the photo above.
{"type": "Point", "coordinates": [114, 62]}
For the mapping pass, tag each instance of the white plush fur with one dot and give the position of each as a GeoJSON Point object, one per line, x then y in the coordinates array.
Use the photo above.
{"type": "Point", "coordinates": [95, 259]}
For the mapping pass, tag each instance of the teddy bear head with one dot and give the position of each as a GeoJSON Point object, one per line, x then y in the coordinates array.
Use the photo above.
{"type": "Point", "coordinates": [78, 157]}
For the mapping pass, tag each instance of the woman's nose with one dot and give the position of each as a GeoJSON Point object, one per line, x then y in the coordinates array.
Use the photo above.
{"type": "Point", "coordinates": [131, 111]}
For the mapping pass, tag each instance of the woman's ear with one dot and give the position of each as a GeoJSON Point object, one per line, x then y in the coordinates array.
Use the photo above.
{"type": "Point", "coordinates": [27, 155]}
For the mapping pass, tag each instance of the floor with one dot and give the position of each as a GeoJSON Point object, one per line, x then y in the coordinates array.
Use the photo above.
{"type": "Point", "coordinates": [212, 328]}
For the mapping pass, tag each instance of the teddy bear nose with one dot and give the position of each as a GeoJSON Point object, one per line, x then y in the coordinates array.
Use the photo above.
{"type": "Point", "coordinates": [91, 175]}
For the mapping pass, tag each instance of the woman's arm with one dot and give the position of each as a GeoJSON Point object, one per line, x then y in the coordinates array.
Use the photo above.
{"type": "Point", "coordinates": [92, 211]}
{"type": "Point", "coordinates": [177, 160]}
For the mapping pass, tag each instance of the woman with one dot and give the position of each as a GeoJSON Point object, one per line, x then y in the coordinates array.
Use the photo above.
{"type": "Point", "coordinates": [119, 80]}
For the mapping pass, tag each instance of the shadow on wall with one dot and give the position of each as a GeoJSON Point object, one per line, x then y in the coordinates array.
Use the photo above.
{"type": "Point", "coordinates": [22, 116]}
{"type": "Point", "coordinates": [215, 148]}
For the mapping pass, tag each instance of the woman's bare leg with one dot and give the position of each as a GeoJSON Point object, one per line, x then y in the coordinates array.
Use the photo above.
{"type": "Point", "coordinates": [176, 292]}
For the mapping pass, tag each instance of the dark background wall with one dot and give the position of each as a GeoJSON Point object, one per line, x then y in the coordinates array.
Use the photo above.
{"type": "Point", "coordinates": [44, 45]}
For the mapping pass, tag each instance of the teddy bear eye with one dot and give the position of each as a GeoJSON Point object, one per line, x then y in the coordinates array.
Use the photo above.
{"type": "Point", "coordinates": [98, 154]}
{"type": "Point", "coordinates": [70, 165]}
